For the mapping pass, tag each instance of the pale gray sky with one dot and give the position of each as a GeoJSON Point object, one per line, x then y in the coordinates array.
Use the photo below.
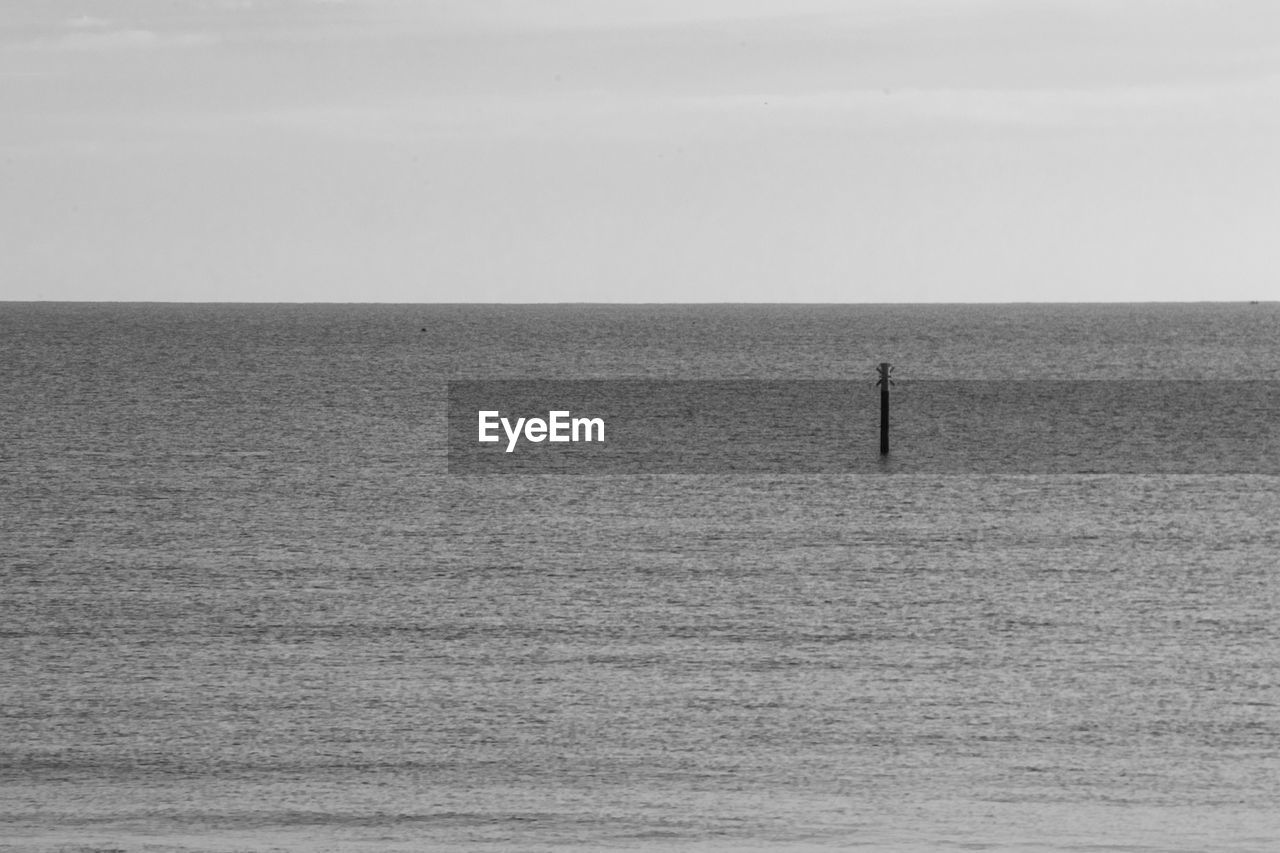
{"type": "Point", "coordinates": [618, 150]}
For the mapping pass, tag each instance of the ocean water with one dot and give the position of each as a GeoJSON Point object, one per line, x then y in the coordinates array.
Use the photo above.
{"type": "Point", "coordinates": [244, 606]}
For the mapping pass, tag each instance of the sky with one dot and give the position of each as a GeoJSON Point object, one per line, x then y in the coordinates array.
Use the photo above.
{"type": "Point", "coordinates": [640, 150]}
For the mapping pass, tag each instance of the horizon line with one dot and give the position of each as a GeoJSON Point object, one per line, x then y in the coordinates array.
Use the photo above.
{"type": "Point", "coordinates": [628, 303]}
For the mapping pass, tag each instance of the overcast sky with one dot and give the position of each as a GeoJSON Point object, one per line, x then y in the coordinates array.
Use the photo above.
{"type": "Point", "coordinates": [640, 150]}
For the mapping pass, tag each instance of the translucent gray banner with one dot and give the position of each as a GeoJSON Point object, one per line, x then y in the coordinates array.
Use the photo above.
{"type": "Point", "coordinates": [831, 426]}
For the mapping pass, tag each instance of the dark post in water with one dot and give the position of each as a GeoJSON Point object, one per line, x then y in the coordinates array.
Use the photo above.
{"type": "Point", "coordinates": [884, 382]}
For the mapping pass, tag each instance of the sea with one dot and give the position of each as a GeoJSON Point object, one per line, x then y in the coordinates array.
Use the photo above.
{"type": "Point", "coordinates": [246, 605]}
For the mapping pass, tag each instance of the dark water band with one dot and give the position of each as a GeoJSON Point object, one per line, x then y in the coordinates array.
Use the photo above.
{"type": "Point", "coordinates": [832, 426]}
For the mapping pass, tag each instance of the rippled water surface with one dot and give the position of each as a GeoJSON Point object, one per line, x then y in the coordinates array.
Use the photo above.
{"type": "Point", "coordinates": [244, 607]}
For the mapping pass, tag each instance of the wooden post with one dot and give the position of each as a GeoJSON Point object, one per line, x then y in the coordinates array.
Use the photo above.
{"type": "Point", "coordinates": [884, 382]}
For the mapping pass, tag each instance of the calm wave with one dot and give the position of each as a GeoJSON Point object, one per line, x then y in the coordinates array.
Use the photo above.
{"type": "Point", "coordinates": [245, 607]}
